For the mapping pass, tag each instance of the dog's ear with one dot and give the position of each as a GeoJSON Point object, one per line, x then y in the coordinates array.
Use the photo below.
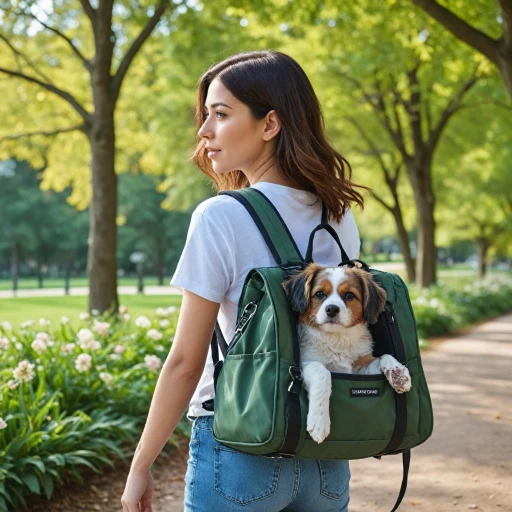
{"type": "Point", "coordinates": [374, 297]}
{"type": "Point", "coordinates": [298, 288]}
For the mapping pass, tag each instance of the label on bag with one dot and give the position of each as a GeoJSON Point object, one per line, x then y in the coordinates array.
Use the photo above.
{"type": "Point", "coordinates": [364, 391]}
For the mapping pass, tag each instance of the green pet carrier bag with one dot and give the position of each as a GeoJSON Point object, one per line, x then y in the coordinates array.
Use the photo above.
{"type": "Point", "coordinates": [260, 403]}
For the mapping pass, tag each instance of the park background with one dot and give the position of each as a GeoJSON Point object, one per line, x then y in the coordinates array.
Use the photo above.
{"type": "Point", "coordinates": [97, 188]}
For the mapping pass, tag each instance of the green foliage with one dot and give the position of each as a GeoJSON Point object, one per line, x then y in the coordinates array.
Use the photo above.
{"type": "Point", "coordinates": [84, 401]}
{"type": "Point", "coordinates": [443, 309]}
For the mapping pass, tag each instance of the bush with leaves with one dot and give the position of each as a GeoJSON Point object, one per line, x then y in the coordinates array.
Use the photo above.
{"type": "Point", "coordinates": [71, 398]}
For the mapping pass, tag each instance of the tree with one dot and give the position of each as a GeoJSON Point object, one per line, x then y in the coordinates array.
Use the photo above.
{"type": "Point", "coordinates": [109, 40]}
{"type": "Point", "coordinates": [146, 226]}
{"type": "Point", "coordinates": [497, 49]}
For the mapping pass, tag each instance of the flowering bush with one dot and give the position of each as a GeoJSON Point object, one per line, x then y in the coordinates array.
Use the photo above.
{"type": "Point", "coordinates": [71, 397]}
{"type": "Point", "coordinates": [442, 309]}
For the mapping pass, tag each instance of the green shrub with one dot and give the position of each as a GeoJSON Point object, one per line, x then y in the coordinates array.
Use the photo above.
{"type": "Point", "coordinates": [74, 397]}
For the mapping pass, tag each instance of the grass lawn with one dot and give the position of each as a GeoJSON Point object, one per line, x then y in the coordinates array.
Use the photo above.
{"type": "Point", "coordinates": [19, 310]}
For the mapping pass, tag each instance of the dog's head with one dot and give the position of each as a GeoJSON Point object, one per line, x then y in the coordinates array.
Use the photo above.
{"type": "Point", "coordinates": [335, 298]}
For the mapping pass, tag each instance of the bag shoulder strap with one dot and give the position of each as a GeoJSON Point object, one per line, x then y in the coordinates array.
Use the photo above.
{"type": "Point", "coordinates": [275, 232]}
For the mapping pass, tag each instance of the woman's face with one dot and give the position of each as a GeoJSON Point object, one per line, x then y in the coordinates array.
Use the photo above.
{"type": "Point", "coordinates": [242, 142]}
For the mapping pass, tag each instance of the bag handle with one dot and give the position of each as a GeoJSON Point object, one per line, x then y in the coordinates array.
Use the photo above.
{"type": "Point", "coordinates": [332, 232]}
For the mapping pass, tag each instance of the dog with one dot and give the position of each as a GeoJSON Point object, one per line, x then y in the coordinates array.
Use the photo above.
{"type": "Point", "coordinates": [335, 305]}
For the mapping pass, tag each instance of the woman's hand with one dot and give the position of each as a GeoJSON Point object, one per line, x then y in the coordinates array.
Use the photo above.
{"type": "Point", "coordinates": [138, 493]}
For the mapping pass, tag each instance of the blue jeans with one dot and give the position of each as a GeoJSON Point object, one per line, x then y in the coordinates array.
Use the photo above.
{"type": "Point", "coordinates": [221, 479]}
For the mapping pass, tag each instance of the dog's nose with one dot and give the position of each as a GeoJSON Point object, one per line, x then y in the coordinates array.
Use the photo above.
{"type": "Point", "coordinates": [332, 310]}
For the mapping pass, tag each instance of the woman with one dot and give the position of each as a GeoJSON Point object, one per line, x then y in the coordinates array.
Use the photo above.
{"type": "Point", "coordinates": [259, 125]}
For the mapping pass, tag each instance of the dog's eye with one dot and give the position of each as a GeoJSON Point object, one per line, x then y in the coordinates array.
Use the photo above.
{"type": "Point", "coordinates": [349, 296]}
{"type": "Point", "coordinates": [319, 295]}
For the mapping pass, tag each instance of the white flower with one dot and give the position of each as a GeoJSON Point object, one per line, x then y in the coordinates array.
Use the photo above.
{"type": "Point", "coordinates": [119, 349]}
{"type": "Point", "coordinates": [85, 335]}
{"type": "Point", "coordinates": [44, 321]}
{"type": "Point", "coordinates": [143, 321]}
{"type": "Point", "coordinates": [160, 348]}
{"type": "Point", "coordinates": [3, 424]}
{"type": "Point", "coordinates": [4, 342]}
{"type": "Point", "coordinates": [164, 323]}
{"type": "Point", "coordinates": [127, 316]}
{"type": "Point", "coordinates": [123, 310]}
{"type": "Point", "coordinates": [165, 311]}
{"type": "Point", "coordinates": [18, 346]}
{"type": "Point", "coordinates": [64, 319]}
{"type": "Point", "coordinates": [153, 363]}
{"type": "Point", "coordinates": [434, 303]}
{"type": "Point", "coordinates": [44, 336]}
{"type": "Point", "coordinates": [28, 323]}
{"type": "Point", "coordinates": [7, 326]}
{"type": "Point", "coordinates": [12, 384]}
{"type": "Point", "coordinates": [67, 348]}
{"type": "Point", "coordinates": [106, 377]}
{"type": "Point", "coordinates": [24, 372]}
{"type": "Point", "coordinates": [94, 312]}
{"type": "Point", "coordinates": [84, 316]}
{"type": "Point", "coordinates": [101, 327]}
{"type": "Point", "coordinates": [83, 362]}
{"type": "Point", "coordinates": [115, 357]}
{"type": "Point", "coordinates": [155, 335]}
{"type": "Point", "coordinates": [90, 344]}
{"type": "Point", "coordinates": [39, 345]}
{"type": "Point", "coordinates": [40, 368]}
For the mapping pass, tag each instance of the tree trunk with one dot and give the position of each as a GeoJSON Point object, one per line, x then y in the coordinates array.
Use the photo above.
{"type": "Point", "coordinates": [67, 277]}
{"type": "Point", "coordinates": [101, 263]}
{"type": "Point", "coordinates": [426, 259]}
{"type": "Point", "coordinates": [403, 237]}
{"type": "Point", "coordinates": [39, 273]}
{"type": "Point", "coordinates": [160, 265]}
{"type": "Point", "coordinates": [482, 247]}
{"type": "Point", "coordinates": [14, 266]}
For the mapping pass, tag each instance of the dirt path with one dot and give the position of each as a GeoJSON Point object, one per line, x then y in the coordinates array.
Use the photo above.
{"type": "Point", "coordinates": [465, 465]}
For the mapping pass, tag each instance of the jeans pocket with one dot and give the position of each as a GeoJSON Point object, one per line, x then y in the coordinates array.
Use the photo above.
{"type": "Point", "coordinates": [334, 478]}
{"type": "Point", "coordinates": [244, 478]}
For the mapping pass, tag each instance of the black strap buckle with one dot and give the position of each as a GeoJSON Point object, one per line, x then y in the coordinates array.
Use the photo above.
{"type": "Point", "coordinates": [296, 383]}
{"type": "Point", "coordinates": [292, 267]}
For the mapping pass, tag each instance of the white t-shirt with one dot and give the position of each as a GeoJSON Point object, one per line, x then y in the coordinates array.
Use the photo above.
{"type": "Point", "coordinates": [223, 244]}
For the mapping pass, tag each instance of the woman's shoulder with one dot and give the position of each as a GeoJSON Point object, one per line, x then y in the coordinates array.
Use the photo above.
{"type": "Point", "coordinates": [220, 207]}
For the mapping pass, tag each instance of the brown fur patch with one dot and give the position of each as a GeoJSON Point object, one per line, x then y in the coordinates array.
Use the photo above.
{"type": "Point", "coordinates": [364, 360]}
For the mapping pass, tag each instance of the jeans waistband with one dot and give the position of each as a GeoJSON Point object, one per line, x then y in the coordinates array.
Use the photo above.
{"type": "Point", "coordinates": [204, 422]}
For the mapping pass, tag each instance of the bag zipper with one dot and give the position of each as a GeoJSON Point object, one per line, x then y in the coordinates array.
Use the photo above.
{"type": "Point", "coordinates": [396, 337]}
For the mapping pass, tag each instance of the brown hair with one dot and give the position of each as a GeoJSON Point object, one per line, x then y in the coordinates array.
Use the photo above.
{"type": "Point", "coordinates": [271, 80]}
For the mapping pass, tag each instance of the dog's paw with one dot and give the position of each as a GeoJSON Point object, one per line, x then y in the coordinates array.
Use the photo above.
{"type": "Point", "coordinates": [318, 426]}
{"type": "Point", "coordinates": [399, 378]}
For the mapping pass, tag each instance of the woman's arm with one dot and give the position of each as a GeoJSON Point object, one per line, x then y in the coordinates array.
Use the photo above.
{"type": "Point", "coordinates": [178, 378]}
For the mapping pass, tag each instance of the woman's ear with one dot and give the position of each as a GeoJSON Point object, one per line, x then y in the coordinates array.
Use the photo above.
{"type": "Point", "coordinates": [272, 125]}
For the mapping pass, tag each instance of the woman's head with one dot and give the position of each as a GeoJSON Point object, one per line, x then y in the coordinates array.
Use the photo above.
{"type": "Point", "coordinates": [272, 116]}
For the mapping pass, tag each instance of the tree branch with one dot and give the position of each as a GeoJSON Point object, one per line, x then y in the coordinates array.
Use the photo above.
{"type": "Point", "coordinates": [382, 202]}
{"type": "Point", "coordinates": [19, 55]}
{"type": "Point", "coordinates": [90, 11]}
{"type": "Point", "coordinates": [85, 61]}
{"type": "Point", "coordinates": [80, 127]}
{"type": "Point", "coordinates": [451, 108]}
{"type": "Point", "coordinates": [59, 92]}
{"type": "Point", "coordinates": [135, 47]}
{"type": "Point", "coordinates": [460, 29]}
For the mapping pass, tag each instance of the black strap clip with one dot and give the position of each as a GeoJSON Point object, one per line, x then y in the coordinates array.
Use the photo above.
{"type": "Point", "coordinates": [296, 383]}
